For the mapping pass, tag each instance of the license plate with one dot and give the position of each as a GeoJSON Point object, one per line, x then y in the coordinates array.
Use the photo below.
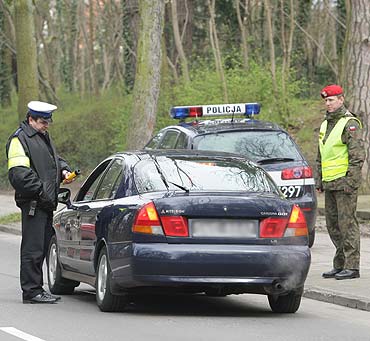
{"type": "Point", "coordinates": [291, 191]}
{"type": "Point", "coordinates": [223, 228]}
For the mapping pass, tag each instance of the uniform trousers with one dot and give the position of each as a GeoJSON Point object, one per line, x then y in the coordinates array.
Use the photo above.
{"type": "Point", "coordinates": [343, 228]}
{"type": "Point", "coordinates": [36, 234]}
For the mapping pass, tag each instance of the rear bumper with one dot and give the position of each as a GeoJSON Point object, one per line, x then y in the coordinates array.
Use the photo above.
{"type": "Point", "coordinates": [234, 268]}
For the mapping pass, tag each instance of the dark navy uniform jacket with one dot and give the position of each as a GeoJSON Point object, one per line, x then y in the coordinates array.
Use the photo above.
{"type": "Point", "coordinates": [34, 168]}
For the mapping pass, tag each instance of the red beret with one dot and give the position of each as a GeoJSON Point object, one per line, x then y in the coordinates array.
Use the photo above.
{"type": "Point", "coordinates": [331, 90]}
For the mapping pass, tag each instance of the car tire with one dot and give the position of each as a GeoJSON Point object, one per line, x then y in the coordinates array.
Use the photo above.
{"type": "Point", "coordinates": [105, 300]}
{"type": "Point", "coordinates": [57, 283]}
{"type": "Point", "coordinates": [311, 238]}
{"type": "Point", "coordinates": [288, 303]}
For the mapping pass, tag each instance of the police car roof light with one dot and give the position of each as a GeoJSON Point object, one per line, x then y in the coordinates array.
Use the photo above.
{"type": "Point", "coordinates": [247, 109]}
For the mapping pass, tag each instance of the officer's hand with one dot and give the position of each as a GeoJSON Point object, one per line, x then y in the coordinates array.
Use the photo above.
{"type": "Point", "coordinates": [66, 179]}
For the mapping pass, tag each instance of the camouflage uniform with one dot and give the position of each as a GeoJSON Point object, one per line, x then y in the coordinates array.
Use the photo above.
{"type": "Point", "coordinates": [341, 194]}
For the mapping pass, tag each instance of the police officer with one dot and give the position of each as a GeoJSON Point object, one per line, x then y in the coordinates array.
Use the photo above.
{"type": "Point", "coordinates": [339, 161]}
{"type": "Point", "coordinates": [35, 171]}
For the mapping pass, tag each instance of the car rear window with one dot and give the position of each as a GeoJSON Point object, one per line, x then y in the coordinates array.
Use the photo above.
{"type": "Point", "coordinates": [200, 175]}
{"type": "Point", "coordinates": [255, 145]}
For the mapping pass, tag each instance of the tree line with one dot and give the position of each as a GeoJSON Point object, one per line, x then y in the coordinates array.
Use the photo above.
{"type": "Point", "coordinates": [140, 46]}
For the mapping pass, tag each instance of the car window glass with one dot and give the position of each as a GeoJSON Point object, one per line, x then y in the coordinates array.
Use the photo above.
{"type": "Point", "coordinates": [110, 182]}
{"type": "Point", "coordinates": [201, 175]}
{"type": "Point", "coordinates": [181, 141]}
{"type": "Point", "coordinates": [88, 189]}
{"type": "Point", "coordinates": [169, 140]}
{"type": "Point", "coordinates": [255, 145]}
{"type": "Point", "coordinates": [154, 141]}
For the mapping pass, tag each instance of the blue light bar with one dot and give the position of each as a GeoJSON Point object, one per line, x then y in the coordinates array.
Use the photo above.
{"type": "Point", "coordinates": [247, 109]}
{"type": "Point", "coordinates": [252, 108]}
{"type": "Point", "coordinates": [179, 112]}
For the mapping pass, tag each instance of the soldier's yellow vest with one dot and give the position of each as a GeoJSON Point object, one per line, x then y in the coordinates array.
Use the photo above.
{"type": "Point", "coordinates": [334, 153]}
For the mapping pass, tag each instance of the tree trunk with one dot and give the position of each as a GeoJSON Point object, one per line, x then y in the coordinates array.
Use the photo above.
{"type": "Point", "coordinates": [91, 39]}
{"type": "Point", "coordinates": [5, 62]}
{"type": "Point", "coordinates": [26, 55]}
{"type": "Point", "coordinates": [270, 35]}
{"type": "Point", "coordinates": [216, 47]}
{"type": "Point", "coordinates": [178, 42]}
{"type": "Point", "coordinates": [243, 31]}
{"type": "Point", "coordinates": [147, 79]}
{"type": "Point", "coordinates": [356, 66]}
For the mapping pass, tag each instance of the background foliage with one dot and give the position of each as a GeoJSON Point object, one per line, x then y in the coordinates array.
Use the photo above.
{"type": "Point", "coordinates": [86, 63]}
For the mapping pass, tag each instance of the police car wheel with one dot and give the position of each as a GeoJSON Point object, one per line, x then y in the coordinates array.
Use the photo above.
{"type": "Point", "coordinates": [286, 304]}
{"type": "Point", "coordinates": [105, 300]}
{"type": "Point", "coordinates": [57, 284]}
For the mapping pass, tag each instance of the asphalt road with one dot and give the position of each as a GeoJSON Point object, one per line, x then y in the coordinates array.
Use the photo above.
{"type": "Point", "coordinates": [243, 317]}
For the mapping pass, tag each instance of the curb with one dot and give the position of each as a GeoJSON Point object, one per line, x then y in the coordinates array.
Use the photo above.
{"type": "Point", "coordinates": [10, 229]}
{"type": "Point", "coordinates": [346, 300]}
{"type": "Point", "coordinates": [360, 214]}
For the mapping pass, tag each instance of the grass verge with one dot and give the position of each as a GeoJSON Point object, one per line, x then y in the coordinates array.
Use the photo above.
{"type": "Point", "coordinates": [10, 218]}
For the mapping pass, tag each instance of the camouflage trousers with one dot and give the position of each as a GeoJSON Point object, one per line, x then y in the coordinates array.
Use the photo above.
{"type": "Point", "coordinates": [343, 228]}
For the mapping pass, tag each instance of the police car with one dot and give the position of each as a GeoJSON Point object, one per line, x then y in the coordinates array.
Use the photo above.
{"type": "Point", "coordinates": [204, 127]}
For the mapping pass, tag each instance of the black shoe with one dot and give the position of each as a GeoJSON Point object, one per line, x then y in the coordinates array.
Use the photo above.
{"type": "Point", "coordinates": [40, 298]}
{"type": "Point", "coordinates": [348, 274]}
{"type": "Point", "coordinates": [51, 295]}
{"type": "Point", "coordinates": [331, 273]}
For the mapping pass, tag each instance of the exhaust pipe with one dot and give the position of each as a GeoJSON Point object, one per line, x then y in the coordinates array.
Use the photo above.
{"type": "Point", "coordinates": [277, 286]}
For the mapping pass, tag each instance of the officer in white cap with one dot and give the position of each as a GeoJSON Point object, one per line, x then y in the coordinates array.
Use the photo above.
{"type": "Point", "coordinates": [35, 171]}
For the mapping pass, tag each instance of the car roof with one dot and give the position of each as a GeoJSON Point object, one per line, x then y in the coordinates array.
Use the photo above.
{"type": "Point", "coordinates": [219, 125]}
{"type": "Point", "coordinates": [180, 153]}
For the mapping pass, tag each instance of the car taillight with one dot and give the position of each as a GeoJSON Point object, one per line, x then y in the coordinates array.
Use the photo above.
{"type": "Point", "coordinates": [273, 227]}
{"type": "Point", "coordinates": [147, 220]}
{"type": "Point", "coordinates": [297, 225]}
{"type": "Point", "coordinates": [277, 227]}
{"type": "Point", "coordinates": [296, 173]}
{"type": "Point", "coordinates": [175, 226]}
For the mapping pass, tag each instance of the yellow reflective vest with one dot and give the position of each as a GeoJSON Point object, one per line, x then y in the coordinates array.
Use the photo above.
{"type": "Point", "coordinates": [16, 154]}
{"type": "Point", "coordinates": [334, 153]}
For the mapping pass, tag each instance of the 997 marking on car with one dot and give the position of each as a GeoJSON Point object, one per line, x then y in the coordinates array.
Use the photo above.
{"type": "Point", "coordinates": [291, 191]}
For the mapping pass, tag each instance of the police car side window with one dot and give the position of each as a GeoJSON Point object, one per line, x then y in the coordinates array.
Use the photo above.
{"type": "Point", "coordinates": [153, 143]}
{"type": "Point", "coordinates": [182, 141]}
{"type": "Point", "coordinates": [169, 140]}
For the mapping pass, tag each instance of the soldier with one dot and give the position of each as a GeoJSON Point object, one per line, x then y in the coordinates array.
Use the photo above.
{"type": "Point", "coordinates": [339, 161]}
{"type": "Point", "coordinates": [35, 171]}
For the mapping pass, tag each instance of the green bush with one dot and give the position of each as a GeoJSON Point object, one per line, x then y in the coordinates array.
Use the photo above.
{"type": "Point", "coordinates": [8, 124]}
{"type": "Point", "coordinates": [87, 131]}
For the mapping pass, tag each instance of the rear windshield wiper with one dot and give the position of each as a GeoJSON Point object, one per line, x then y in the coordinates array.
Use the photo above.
{"type": "Point", "coordinates": [179, 186]}
{"type": "Point", "coordinates": [163, 178]}
{"type": "Point", "coordinates": [274, 159]}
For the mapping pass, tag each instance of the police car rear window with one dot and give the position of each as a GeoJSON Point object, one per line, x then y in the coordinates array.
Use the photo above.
{"type": "Point", "coordinates": [255, 145]}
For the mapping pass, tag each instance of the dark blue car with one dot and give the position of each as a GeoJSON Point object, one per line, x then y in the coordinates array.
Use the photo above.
{"type": "Point", "coordinates": [179, 221]}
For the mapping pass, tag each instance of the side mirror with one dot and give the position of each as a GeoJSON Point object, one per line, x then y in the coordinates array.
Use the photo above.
{"type": "Point", "coordinates": [64, 196]}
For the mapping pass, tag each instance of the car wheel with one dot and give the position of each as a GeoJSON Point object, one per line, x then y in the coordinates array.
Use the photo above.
{"type": "Point", "coordinates": [57, 284]}
{"type": "Point", "coordinates": [104, 298]}
{"type": "Point", "coordinates": [286, 303]}
{"type": "Point", "coordinates": [311, 238]}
